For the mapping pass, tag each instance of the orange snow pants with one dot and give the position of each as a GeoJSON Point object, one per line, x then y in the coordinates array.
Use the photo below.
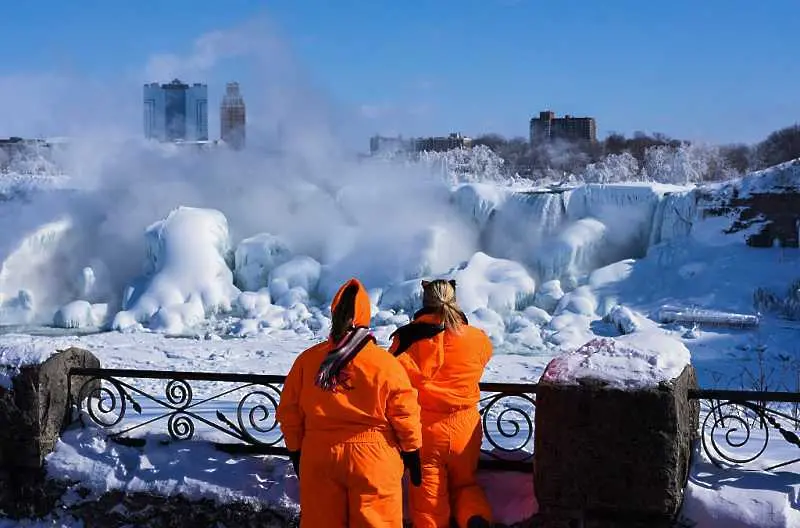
{"type": "Point", "coordinates": [356, 483]}
{"type": "Point", "coordinates": [451, 446]}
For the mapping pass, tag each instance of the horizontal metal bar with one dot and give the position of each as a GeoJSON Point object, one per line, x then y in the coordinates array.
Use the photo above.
{"type": "Point", "coordinates": [744, 396]}
{"type": "Point", "coordinates": [508, 388]}
{"type": "Point", "coordinates": [178, 374]}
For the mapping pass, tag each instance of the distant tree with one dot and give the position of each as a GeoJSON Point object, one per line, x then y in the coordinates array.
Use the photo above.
{"type": "Point", "coordinates": [738, 157]}
{"type": "Point", "coordinates": [780, 146]}
{"type": "Point", "coordinates": [615, 143]}
{"type": "Point", "coordinates": [493, 141]}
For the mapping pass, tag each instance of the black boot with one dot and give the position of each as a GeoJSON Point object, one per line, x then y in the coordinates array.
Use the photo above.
{"type": "Point", "coordinates": [478, 522]}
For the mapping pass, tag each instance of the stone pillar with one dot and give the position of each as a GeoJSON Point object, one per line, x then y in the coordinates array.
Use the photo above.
{"type": "Point", "coordinates": [613, 445]}
{"type": "Point", "coordinates": [32, 416]}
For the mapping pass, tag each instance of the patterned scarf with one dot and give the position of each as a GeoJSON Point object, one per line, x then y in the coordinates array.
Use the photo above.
{"type": "Point", "coordinates": [330, 374]}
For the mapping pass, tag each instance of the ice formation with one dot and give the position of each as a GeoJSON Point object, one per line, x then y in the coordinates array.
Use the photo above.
{"type": "Point", "coordinates": [187, 275]}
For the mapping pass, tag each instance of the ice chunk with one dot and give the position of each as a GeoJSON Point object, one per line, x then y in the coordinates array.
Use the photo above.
{"type": "Point", "coordinates": [490, 322]}
{"type": "Point", "coordinates": [623, 319]}
{"type": "Point", "coordinates": [186, 275]}
{"type": "Point", "coordinates": [537, 315]}
{"type": "Point", "coordinates": [252, 304]}
{"type": "Point", "coordinates": [580, 301]}
{"type": "Point", "coordinates": [405, 296]}
{"type": "Point", "coordinates": [256, 257]}
{"type": "Point", "coordinates": [548, 295]}
{"type": "Point", "coordinates": [80, 314]}
{"type": "Point", "coordinates": [300, 272]}
{"type": "Point", "coordinates": [498, 284]}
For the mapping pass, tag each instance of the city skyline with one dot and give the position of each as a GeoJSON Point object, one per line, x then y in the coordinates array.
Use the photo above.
{"type": "Point", "coordinates": [681, 69]}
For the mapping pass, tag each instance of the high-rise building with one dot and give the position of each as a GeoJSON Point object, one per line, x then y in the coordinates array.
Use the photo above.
{"type": "Point", "coordinates": [176, 111]}
{"type": "Point", "coordinates": [232, 117]}
{"type": "Point", "coordinates": [547, 127]}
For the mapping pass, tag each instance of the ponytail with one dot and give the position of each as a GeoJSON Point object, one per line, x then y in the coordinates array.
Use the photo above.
{"type": "Point", "coordinates": [440, 297]}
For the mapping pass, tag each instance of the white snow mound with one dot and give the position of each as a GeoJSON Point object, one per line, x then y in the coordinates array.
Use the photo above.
{"type": "Point", "coordinates": [80, 314]}
{"type": "Point", "coordinates": [256, 257]}
{"type": "Point", "coordinates": [498, 284]}
{"type": "Point", "coordinates": [186, 275]}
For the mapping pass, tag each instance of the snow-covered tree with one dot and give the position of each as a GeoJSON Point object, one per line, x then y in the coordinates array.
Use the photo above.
{"type": "Point", "coordinates": [611, 169]}
{"type": "Point", "coordinates": [684, 165]}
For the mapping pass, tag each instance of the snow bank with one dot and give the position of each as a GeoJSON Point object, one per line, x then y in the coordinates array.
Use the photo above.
{"type": "Point", "coordinates": [187, 275]}
{"type": "Point", "coordinates": [256, 257]}
{"type": "Point", "coordinates": [195, 470]}
{"type": "Point", "coordinates": [734, 498]}
{"type": "Point", "coordinates": [498, 284]}
{"type": "Point", "coordinates": [634, 361]}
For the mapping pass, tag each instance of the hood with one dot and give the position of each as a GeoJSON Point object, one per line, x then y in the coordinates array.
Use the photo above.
{"type": "Point", "coordinates": [363, 308]}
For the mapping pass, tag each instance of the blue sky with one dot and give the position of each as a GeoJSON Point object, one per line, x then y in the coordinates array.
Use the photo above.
{"type": "Point", "coordinates": [714, 70]}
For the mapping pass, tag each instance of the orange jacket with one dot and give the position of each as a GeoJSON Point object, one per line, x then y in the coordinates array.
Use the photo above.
{"type": "Point", "coordinates": [447, 367]}
{"type": "Point", "coordinates": [381, 398]}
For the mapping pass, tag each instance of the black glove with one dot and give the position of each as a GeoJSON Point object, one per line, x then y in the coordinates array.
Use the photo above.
{"type": "Point", "coordinates": [413, 464]}
{"type": "Point", "coordinates": [294, 456]}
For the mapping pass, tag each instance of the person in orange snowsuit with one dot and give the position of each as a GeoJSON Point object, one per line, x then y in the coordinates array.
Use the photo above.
{"type": "Point", "coordinates": [351, 422]}
{"type": "Point", "coordinates": [445, 358]}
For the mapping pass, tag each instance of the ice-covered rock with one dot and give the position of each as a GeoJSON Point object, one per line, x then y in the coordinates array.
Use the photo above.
{"type": "Point", "coordinates": [498, 284]}
{"type": "Point", "coordinates": [537, 315]}
{"type": "Point", "coordinates": [523, 332]}
{"type": "Point", "coordinates": [186, 274]}
{"type": "Point", "coordinates": [252, 305]}
{"type": "Point", "coordinates": [286, 281]}
{"type": "Point", "coordinates": [256, 257]}
{"type": "Point", "coordinates": [490, 322]}
{"type": "Point", "coordinates": [18, 309]}
{"type": "Point", "coordinates": [548, 295]}
{"type": "Point", "coordinates": [623, 319]}
{"type": "Point", "coordinates": [80, 314]}
{"type": "Point", "coordinates": [405, 296]}
{"type": "Point", "coordinates": [580, 301]}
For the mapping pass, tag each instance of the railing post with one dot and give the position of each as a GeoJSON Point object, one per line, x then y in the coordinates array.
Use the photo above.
{"type": "Point", "coordinates": [611, 452]}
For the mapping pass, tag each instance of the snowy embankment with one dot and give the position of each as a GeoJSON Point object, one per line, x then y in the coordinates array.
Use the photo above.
{"type": "Point", "coordinates": [541, 272]}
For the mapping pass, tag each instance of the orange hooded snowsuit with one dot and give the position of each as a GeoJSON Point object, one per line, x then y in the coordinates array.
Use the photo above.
{"type": "Point", "coordinates": [349, 439]}
{"type": "Point", "coordinates": [446, 368]}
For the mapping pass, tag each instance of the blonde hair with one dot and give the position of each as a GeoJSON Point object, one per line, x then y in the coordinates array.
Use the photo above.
{"type": "Point", "coordinates": [440, 295]}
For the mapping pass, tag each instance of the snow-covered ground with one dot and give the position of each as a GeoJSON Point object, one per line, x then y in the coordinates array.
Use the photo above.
{"type": "Point", "coordinates": [207, 279]}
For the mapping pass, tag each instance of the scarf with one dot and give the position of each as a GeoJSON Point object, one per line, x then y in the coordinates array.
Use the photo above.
{"type": "Point", "coordinates": [330, 374]}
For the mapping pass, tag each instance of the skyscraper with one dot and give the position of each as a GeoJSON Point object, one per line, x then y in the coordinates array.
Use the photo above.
{"type": "Point", "coordinates": [176, 111]}
{"type": "Point", "coordinates": [232, 117]}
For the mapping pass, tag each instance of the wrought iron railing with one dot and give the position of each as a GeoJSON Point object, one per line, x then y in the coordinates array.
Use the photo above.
{"type": "Point", "coordinates": [750, 429]}
{"type": "Point", "coordinates": [237, 411]}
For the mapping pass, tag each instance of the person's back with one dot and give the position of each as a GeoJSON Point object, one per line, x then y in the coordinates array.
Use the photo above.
{"type": "Point", "coordinates": [445, 358]}
{"type": "Point", "coordinates": [446, 368]}
{"type": "Point", "coordinates": [346, 409]}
